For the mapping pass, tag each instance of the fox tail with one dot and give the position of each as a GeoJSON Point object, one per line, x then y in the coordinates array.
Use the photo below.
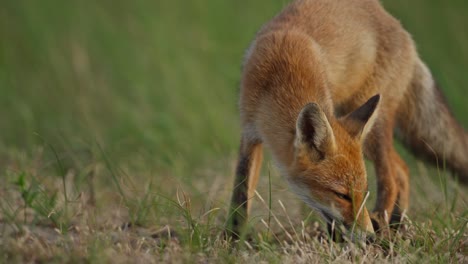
{"type": "Point", "coordinates": [428, 128]}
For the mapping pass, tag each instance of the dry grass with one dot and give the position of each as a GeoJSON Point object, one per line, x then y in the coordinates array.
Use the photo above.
{"type": "Point", "coordinates": [121, 217]}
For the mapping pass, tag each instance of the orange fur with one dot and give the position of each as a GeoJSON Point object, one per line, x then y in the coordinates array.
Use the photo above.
{"type": "Point", "coordinates": [305, 86]}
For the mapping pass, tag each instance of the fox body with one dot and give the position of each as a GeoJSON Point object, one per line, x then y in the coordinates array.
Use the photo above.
{"type": "Point", "coordinates": [306, 83]}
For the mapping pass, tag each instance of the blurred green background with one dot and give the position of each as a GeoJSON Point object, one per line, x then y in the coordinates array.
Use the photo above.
{"type": "Point", "coordinates": [158, 80]}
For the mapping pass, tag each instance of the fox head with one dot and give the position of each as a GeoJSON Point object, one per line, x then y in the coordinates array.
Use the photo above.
{"type": "Point", "coordinates": [328, 171]}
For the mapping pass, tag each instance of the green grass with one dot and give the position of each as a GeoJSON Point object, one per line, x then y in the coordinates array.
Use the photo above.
{"type": "Point", "coordinates": [117, 112]}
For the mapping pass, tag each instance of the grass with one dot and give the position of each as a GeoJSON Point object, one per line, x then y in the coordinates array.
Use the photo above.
{"type": "Point", "coordinates": [120, 131]}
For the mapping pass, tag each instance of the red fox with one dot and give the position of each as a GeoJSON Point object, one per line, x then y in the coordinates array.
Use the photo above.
{"type": "Point", "coordinates": [325, 83]}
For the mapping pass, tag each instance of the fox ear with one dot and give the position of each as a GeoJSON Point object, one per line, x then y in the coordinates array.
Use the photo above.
{"type": "Point", "coordinates": [359, 122]}
{"type": "Point", "coordinates": [313, 132]}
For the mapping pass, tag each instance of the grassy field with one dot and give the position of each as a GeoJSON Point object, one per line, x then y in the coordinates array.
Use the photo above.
{"type": "Point", "coordinates": [119, 134]}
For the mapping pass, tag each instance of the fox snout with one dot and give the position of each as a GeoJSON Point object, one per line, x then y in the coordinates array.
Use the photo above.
{"type": "Point", "coordinates": [353, 214]}
{"type": "Point", "coordinates": [359, 229]}
{"type": "Point", "coordinates": [362, 222]}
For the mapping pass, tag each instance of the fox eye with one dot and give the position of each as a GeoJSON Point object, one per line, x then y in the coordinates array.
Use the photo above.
{"type": "Point", "coordinates": [343, 196]}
